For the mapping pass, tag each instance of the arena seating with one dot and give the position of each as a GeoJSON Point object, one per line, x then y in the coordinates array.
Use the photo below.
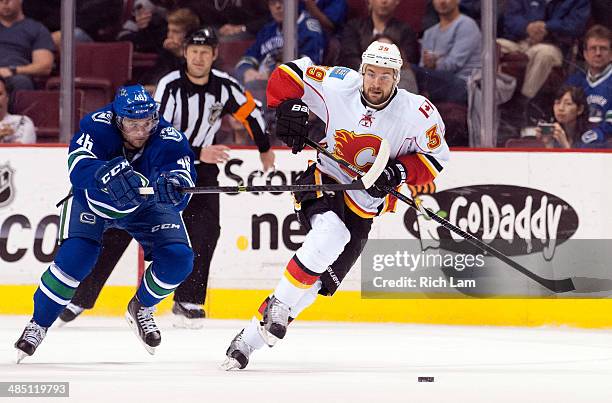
{"type": "Point", "coordinates": [101, 67]}
{"type": "Point", "coordinates": [43, 107]}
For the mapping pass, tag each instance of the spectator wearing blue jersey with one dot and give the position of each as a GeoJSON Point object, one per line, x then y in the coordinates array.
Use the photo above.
{"type": "Point", "coordinates": [596, 82]}
{"type": "Point", "coordinates": [450, 52]}
{"type": "Point", "coordinates": [25, 47]}
{"type": "Point", "coordinates": [265, 54]}
{"type": "Point", "coordinates": [330, 13]}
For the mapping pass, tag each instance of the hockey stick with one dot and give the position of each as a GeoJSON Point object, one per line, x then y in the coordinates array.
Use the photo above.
{"type": "Point", "coordinates": [364, 182]}
{"type": "Point", "coordinates": [265, 188]}
{"type": "Point", "coordinates": [557, 286]}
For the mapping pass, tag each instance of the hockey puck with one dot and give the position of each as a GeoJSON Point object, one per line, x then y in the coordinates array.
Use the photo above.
{"type": "Point", "coordinates": [426, 378]}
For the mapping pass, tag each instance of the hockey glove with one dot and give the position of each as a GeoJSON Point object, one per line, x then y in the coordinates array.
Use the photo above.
{"type": "Point", "coordinates": [292, 124]}
{"type": "Point", "coordinates": [393, 175]}
{"type": "Point", "coordinates": [118, 179]}
{"type": "Point", "coordinates": [168, 189]}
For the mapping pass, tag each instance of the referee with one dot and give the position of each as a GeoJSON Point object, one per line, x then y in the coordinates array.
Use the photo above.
{"type": "Point", "coordinates": [193, 99]}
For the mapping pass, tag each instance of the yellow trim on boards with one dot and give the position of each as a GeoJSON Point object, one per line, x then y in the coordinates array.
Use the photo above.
{"type": "Point", "coordinates": [349, 306]}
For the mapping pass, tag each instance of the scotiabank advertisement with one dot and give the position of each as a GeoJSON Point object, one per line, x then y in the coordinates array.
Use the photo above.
{"type": "Point", "coordinates": [546, 210]}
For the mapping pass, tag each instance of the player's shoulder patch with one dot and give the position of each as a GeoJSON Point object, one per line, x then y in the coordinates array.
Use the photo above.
{"type": "Point", "coordinates": [339, 72]}
{"type": "Point", "coordinates": [317, 73]}
{"type": "Point", "coordinates": [105, 117]}
{"type": "Point", "coordinates": [422, 106]}
{"type": "Point", "coordinates": [170, 133]}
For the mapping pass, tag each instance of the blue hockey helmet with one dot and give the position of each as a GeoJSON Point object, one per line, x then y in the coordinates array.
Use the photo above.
{"type": "Point", "coordinates": [134, 102]}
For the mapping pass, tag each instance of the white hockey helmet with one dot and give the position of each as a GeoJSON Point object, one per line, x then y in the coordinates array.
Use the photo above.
{"type": "Point", "coordinates": [384, 55]}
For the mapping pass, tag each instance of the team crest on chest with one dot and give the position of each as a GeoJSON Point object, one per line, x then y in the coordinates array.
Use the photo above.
{"type": "Point", "coordinates": [366, 119]}
{"type": "Point", "coordinates": [215, 112]}
{"type": "Point", "coordinates": [357, 149]}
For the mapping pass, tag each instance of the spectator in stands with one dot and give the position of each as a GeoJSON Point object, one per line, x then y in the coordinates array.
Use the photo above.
{"type": "Point", "coordinates": [471, 8]}
{"type": "Point", "coordinates": [544, 31]}
{"type": "Point", "coordinates": [147, 28]}
{"type": "Point", "coordinates": [571, 123]}
{"type": "Point", "coordinates": [407, 78]}
{"type": "Point", "coordinates": [261, 58]}
{"type": "Point", "coordinates": [596, 82]}
{"type": "Point", "coordinates": [14, 128]}
{"type": "Point", "coordinates": [96, 20]}
{"type": "Point", "coordinates": [329, 13]}
{"type": "Point", "coordinates": [235, 18]}
{"type": "Point", "coordinates": [359, 33]}
{"type": "Point", "coordinates": [181, 23]}
{"type": "Point", "coordinates": [450, 52]}
{"type": "Point", "coordinates": [25, 47]}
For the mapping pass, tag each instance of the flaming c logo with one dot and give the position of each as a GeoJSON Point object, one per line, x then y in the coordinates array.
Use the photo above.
{"type": "Point", "coordinates": [357, 149]}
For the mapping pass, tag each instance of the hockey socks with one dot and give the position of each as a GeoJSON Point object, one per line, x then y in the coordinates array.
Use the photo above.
{"type": "Point", "coordinates": [171, 265]}
{"type": "Point", "coordinates": [152, 290]}
{"type": "Point", "coordinates": [295, 282]}
{"type": "Point", "coordinates": [54, 292]}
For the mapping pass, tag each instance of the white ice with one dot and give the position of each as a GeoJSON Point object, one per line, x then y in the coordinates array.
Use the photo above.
{"type": "Point", "coordinates": [319, 362]}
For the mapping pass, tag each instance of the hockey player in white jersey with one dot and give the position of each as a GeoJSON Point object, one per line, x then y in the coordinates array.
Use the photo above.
{"type": "Point", "coordinates": [359, 109]}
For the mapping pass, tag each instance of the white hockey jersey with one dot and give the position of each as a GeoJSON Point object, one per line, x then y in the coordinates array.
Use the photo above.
{"type": "Point", "coordinates": [410, 123]}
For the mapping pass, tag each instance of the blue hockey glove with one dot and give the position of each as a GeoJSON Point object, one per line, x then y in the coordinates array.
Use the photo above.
{"type": "Point", "coordinates": [168, 188]}
{"type": "Point", "coordinates": [118, 179]}
{"type": "Point", "coordinates": [393, 175]}
{"type": "Point", "coordinates": [292, 124]}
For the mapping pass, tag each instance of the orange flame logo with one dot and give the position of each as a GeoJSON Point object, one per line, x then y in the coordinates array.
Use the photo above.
{"type": "Point", "coordinates": [359, 150]}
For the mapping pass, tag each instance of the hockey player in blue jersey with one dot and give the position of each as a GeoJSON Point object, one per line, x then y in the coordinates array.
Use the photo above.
{"type": "Point", "coordinates": [117, 150]}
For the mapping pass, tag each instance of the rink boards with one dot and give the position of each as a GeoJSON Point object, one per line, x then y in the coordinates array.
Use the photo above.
{"type": "Point", "coordinates": [260, 234]}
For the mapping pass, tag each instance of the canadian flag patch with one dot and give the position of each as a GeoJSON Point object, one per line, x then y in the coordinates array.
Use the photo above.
{"type": "Point", "coordinates": [426, 108]}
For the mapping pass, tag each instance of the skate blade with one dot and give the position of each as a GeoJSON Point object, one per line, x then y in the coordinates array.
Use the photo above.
{"type": "Point", "coordinates": [267, 337]}
{"type": "Point", "coordinates": [130, 321]}
{"type": "Point", "coordinates": [229, 364]}
{"type": "Point", "coordinates": [20, 356]}
{"type": "Point", "coordinates": [182, 322]}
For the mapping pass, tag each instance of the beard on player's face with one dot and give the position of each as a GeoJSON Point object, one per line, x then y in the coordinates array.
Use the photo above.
{"type": "Point", "coordinates": [378, 84]}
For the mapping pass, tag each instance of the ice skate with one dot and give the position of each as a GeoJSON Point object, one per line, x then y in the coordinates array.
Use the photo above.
{"type": "Point", "coordinates": [140, 319]}
{"type": "Point", "coordinates": [30, 339]}
{"type": "Point", "coordinates": [237, 353]}
{"type": "Point", "coordinates": [188, 315]}
{"type": "Point", "coordinates": [275, 321]}
{"type": "Point", "coordinates": [70, 313]}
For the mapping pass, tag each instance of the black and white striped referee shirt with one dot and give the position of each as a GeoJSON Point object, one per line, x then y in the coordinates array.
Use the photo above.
{"type": "Point", "coordinates": [196, 110]}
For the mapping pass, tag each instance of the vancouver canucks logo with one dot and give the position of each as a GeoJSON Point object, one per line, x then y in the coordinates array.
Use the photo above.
{"type": "Point", "coordinates": [359, 150]}
{"type": "Point", "coordinates": [7, 189]}
{"type": "Point", "coordinates": [215, 112]}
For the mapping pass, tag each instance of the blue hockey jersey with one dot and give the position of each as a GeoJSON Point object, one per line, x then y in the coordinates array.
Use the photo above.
{"type": "Point", "coordinates": [99, 140]}
{"type": "Point", "coordinates": [599, 98]}
{"type": "Point", "coordinates": [267, 50]}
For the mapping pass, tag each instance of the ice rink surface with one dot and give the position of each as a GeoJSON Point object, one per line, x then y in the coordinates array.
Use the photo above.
{"type": "Point", "coordinates": [318, 362]}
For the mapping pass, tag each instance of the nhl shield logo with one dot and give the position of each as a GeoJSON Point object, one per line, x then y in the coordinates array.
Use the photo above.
{"type": "Point", "coordinates": [215, 112]}
{"type": "Point", "coordinates": [7, 189]}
